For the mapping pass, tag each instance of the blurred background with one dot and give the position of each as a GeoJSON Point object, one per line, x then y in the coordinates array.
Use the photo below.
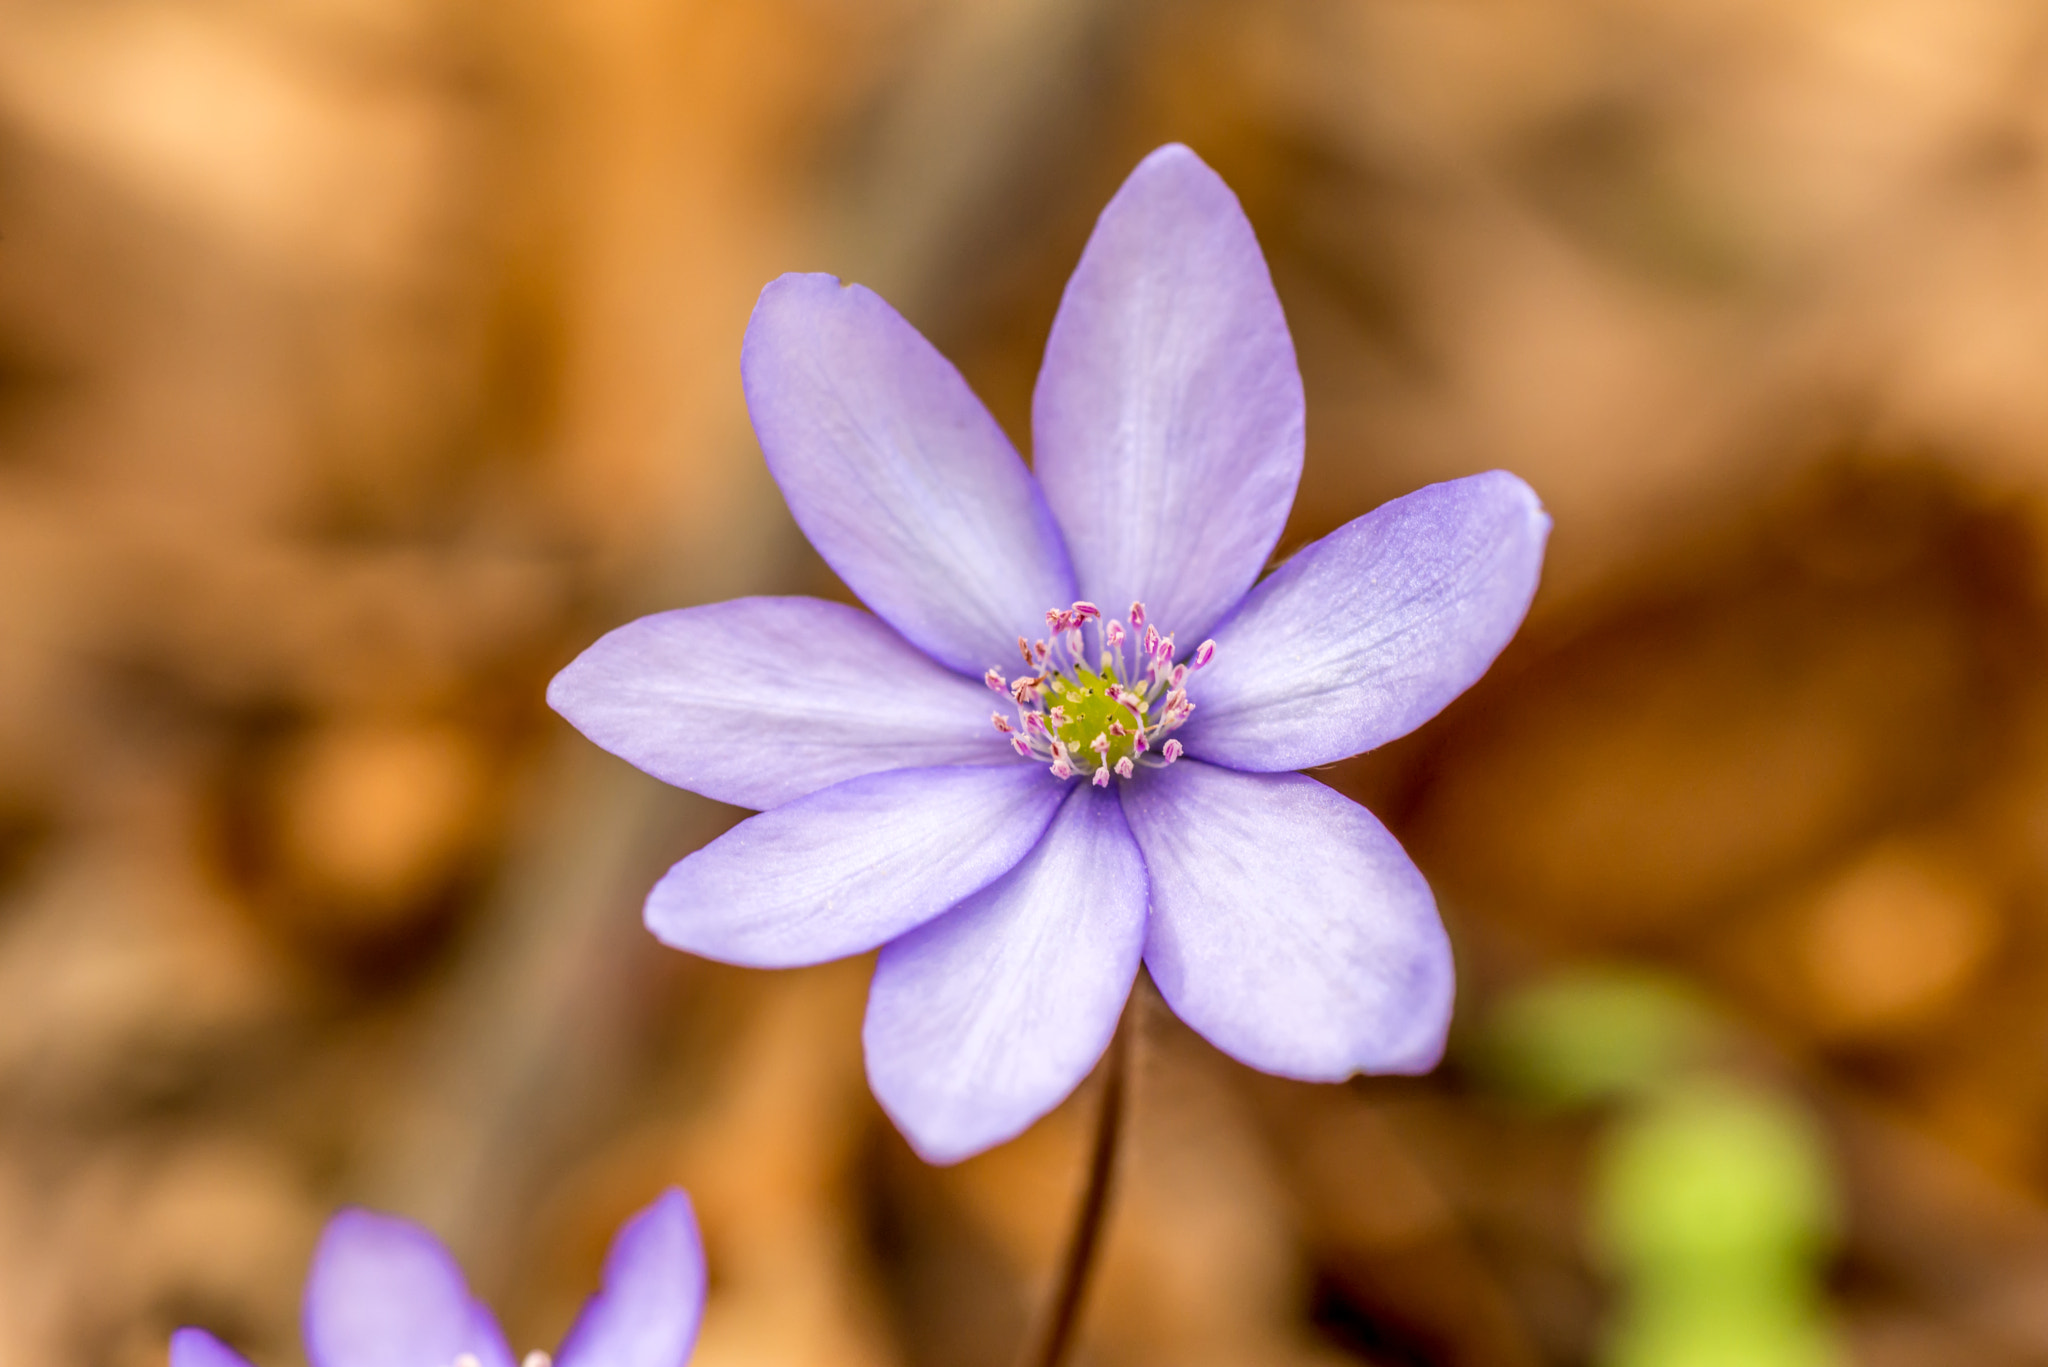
{"type": "Point", "coordinates": [362, 360]}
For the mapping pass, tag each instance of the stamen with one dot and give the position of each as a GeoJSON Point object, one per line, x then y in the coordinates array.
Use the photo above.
{"type": "Point", "coordinates": [537, 1358]}
{"type": "Point", "coordinates": [1105, 715]}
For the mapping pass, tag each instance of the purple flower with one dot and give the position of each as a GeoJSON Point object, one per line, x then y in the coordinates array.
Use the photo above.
{"type": "Point", "coordinates": [1128, 799]}
{"type": "Point", "coordinates": [384, 1293]}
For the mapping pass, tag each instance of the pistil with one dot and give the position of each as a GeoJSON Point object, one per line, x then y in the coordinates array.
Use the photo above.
{"type": "Point", "coordinates": [1106, 713]}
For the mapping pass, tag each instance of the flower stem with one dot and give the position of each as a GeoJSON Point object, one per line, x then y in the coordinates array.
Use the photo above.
{"type": "Point", "coordinates": [1056, 1340]}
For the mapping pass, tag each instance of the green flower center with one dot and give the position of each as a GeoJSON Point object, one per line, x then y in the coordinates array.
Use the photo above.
{"type": "Point", "coordinates": [1098, 727]}
{"type": "Point", "coordinates": [1099, 697]}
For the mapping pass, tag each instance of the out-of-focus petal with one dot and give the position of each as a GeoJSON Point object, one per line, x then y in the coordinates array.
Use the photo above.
{"type": "Point", "coordinates": [384, 1293]}
{"type": "Point", "coordinates": [897, 473]}
{"type": "Point", "coordinates": [1167, 424]}
{"type": "Point", "coordinates": [985, 1019]}
{"type": "Point", "coordinates": [761, 700]}
{"type": "Point", "coordinates": [1368, 633]}
{"type": "Point", "coordinates": [1288, 928]}
{"type": "Point", "coordinates": [853, 866]}
{"type": "Point", "coordinates": [653, 1297]}
{"type": "Point", "coordinates": [197, 1348]}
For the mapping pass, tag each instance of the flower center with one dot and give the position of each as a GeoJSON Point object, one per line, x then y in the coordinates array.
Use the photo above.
{"type": "Point", "coordinates": [1097, 697]}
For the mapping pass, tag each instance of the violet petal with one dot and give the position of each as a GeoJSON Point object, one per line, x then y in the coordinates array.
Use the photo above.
{"type": "Point", "coordinates": [197, 1348]}
{"type": "Point", "coordinates": [1288, 928]}
{"type": "Point", "coordinates": [384, 1293]}
{"type": "Point", "coordinates": [1368, 633]}
{"type": "Point", "coordinates": [983, 1020]}
{"type": "Point", "coordinates": [897, 473]}
{"type": "Point", "coordinates": [1167, 424]}
{"type": "Point", "coordinates": [848, 868]}
{"type": "Point", "coordinates": [760, 700]}
{"type": "Point", "coordinates": [653, 1298]}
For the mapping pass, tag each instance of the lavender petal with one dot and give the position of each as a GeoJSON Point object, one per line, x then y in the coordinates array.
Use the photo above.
{"type": "Point", "coordinates": [851, 867]}
{"type": "Point", "coordinates": [384, 1293]}
{"type": "Point", "coordinates": [1288, 928]}
{"type": "Point", "coordinates": [648, 1313]}
{"type": "Point", "coordinates": [1368, 633]}
{"type": "Point", "coordinates": [197, 1348]}
{"type": "Point", "coordinates": [897, 473]}
{"type": "Point", "coordinates": [761, 700]}
{"type": "Point", "coordinates": [1167, 424]}
{"type": "Point", "coordinates": [985, 1019]}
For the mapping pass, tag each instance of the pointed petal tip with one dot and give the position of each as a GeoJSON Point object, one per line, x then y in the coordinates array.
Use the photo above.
{"type": "Point", "coordinates": [674, 1213]}
{"type": "Point", "coordinates": [1177, 159]}
{"type": "Point", "coordinates": [942, 1150]}
{"type": "Point", "coordinates": [1507, 485]}
{"type": "Point", "coordinates": [651, 1303]}
{"type": "Point", "coordinates": [790, 282]}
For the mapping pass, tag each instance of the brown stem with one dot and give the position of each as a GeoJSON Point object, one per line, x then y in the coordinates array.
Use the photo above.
{"type": "Point", "coordinates": [1056, 1340]}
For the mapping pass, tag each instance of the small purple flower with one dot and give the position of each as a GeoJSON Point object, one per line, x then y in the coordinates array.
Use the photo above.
{"type": "Point", "coordinates": [1128, 800]}
{"type": "Point", "coordinates": [384, 1293]}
